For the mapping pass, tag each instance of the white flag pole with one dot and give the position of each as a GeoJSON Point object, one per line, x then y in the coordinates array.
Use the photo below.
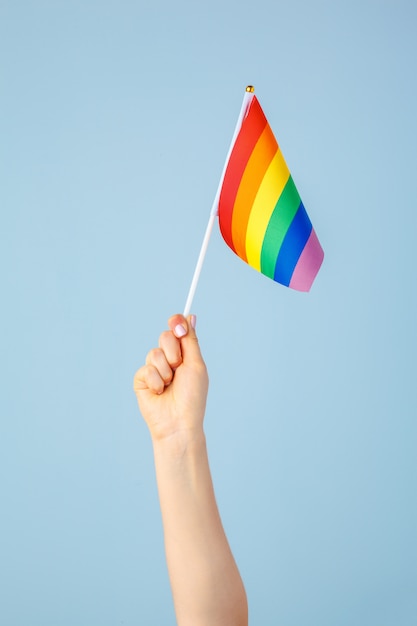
{"type": "Point", "coordinates": [213, 213]}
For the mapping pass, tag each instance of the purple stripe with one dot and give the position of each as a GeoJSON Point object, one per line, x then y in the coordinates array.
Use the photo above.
{"type": "Point", "coordinates": [308, 264]}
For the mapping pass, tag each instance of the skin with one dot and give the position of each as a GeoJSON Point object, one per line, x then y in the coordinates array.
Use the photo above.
{"type": "Point", "coordinates": [171, 388]}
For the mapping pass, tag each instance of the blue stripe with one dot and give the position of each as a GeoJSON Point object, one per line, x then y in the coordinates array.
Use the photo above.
{"type": "Point", "coordinates": [294, 242]}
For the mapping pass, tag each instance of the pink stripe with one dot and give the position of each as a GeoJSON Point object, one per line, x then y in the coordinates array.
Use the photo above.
{"type": "Point", "coordinates": [308, 264]}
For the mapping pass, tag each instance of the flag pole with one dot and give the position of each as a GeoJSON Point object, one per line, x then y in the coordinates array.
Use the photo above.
{"type": "Point", "coordinates": [213, 213]}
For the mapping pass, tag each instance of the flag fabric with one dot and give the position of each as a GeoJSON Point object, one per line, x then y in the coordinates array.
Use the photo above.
{"type": "Point", "coordinates": [261, 215]}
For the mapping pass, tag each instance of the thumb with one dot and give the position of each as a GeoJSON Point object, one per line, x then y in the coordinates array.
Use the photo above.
{"type": "Point", "coordinates": [184, 329]}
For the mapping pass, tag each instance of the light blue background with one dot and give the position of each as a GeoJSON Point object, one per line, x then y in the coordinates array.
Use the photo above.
{"type": "Point", "coordinates": [115, 121]}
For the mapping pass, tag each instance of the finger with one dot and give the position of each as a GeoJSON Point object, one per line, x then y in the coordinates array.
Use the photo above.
{"type": "Point", "coordinates": [157, 358]}
{"type": "Point", "coordinates": [189, 343]}
{"type": "Point", "coordinates": [171, 348]}
{"type": "Point", "coordinates": [148, 378]}
{"type": "Point", "coordinates": [179, 326]}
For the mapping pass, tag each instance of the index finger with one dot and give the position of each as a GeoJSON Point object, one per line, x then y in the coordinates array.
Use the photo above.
{"type": "Point", "coordinates": [171, 348]}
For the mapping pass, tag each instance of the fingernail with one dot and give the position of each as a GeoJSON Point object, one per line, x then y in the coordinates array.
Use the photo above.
{"type": "Point", "coordinates": [179, 330]}
{"type": "Point", "coordinates": [193, 321]}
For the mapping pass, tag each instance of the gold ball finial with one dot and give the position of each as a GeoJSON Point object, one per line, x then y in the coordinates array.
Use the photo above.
{"type": "Point", "coordinates": [250, 88]}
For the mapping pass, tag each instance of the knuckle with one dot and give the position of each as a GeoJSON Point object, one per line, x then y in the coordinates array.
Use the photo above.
{"type": "Point", "coordinates": [139, 379]}
{"type": "Point", "coordinates": [154, 355]}
{"type": "Point", "coordinates": [165, 336]}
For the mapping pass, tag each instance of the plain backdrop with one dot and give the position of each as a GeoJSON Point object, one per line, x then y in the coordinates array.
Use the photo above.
{"type": "Point", "coordinates": [115, 120]}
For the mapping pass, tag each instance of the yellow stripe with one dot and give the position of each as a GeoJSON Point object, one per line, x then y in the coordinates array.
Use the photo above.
{"type": "Point", "coordinates": [267, 197]}
{"type": "Point", "coordinates": [259, 161]}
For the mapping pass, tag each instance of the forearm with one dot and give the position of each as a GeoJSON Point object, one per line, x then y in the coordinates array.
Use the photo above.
{"type": "Point", "coordinates": [205, 581]}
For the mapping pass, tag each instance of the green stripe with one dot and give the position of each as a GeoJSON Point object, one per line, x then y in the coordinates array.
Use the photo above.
{"type": "Point", "coordinates": [280, 221]}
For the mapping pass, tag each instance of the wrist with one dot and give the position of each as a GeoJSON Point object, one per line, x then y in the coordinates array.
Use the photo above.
{"type": "Point", "coordinates": [180, 443]}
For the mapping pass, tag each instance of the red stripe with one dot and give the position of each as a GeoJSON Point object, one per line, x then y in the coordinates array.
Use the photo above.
{"type": "Point", "coordinates": [252, 127]}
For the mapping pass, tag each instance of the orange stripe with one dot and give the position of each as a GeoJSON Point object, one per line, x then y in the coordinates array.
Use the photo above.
{"type": "Point", "coordinates": [262, 155]}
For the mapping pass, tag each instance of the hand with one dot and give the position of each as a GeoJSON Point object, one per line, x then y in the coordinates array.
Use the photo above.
{"type": "Point", "coordinates": [172, 386]}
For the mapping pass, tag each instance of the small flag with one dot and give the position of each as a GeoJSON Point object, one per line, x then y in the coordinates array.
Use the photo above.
{"type": "Point", "coordinates": [261, 215]}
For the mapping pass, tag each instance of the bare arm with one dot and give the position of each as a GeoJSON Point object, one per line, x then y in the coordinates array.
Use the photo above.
{"type": "Point", "coordinates": [171, 389]}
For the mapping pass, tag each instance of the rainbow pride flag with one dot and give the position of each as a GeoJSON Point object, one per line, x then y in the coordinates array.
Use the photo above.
{"type": "Point", "coordinates": [261, 215]}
